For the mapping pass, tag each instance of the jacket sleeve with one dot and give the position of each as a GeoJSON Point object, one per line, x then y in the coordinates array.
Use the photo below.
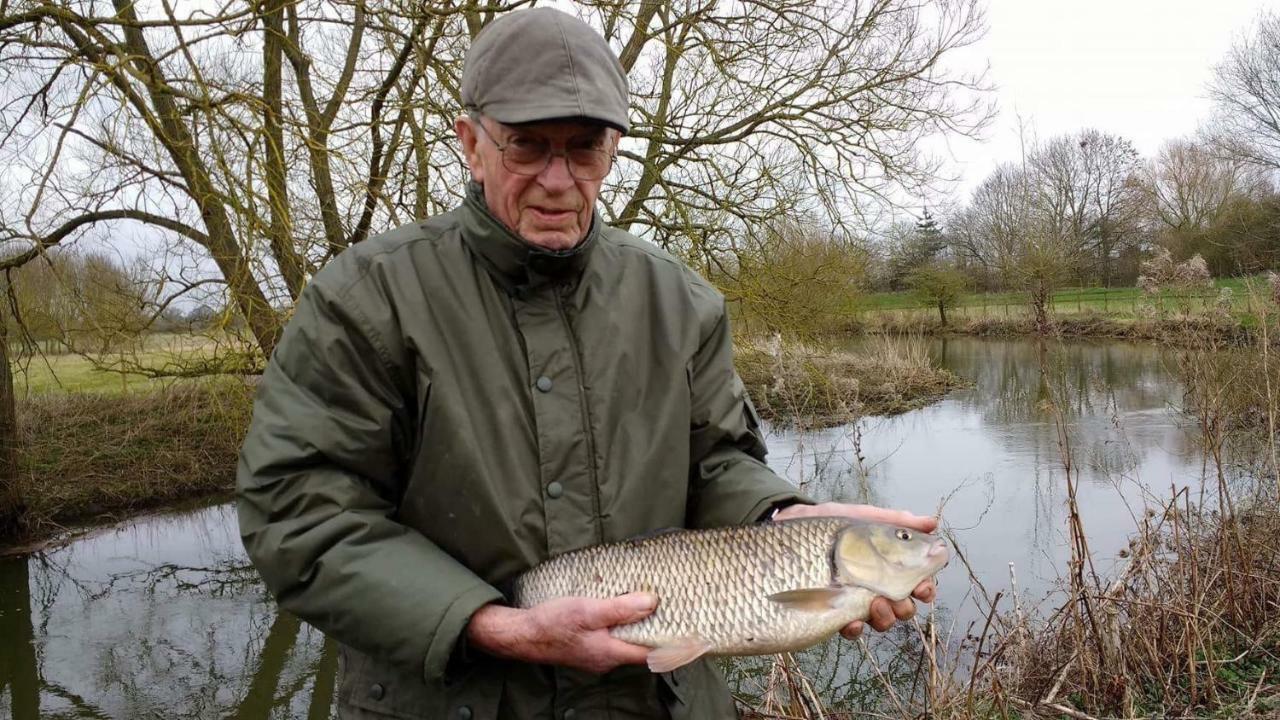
{"type": "Point", "coordinates": [318, 482]}
{"type": "Point", "coordinates": [729, 482]}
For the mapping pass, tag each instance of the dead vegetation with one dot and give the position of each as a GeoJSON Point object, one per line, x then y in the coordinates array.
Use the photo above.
{"type": "Point", "coordinates": [1190, 330]}
{"type": "Point", "coordinates": [1187, 625]}
{"type": "Point", "coordinates": [793, 383]}
{"type": "Point", "coordinates": [93, 457]}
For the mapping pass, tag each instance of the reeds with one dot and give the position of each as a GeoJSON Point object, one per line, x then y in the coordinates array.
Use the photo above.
{"type": "Point", "coordinates": [1188, 330]}
{"type": "Point", "coordinates": [798, 384]}
{"type": "Point", "coordinates": [1186, 626]}
{"type": "Point", "coordinates": [88, 457]}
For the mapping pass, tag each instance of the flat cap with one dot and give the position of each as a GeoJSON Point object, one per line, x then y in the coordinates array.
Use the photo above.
{"type": "Point", "coordinates": [544, 64]}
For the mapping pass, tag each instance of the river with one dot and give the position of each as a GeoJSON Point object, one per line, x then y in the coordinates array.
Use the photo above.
{"type": "Point", "coordinates": [161, 616]}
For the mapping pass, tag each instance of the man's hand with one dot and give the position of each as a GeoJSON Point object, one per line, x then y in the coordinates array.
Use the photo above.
{"type": "Point", "coordinates": [884, 612]}
{"type": "Point", "coordinates": [571, 632]}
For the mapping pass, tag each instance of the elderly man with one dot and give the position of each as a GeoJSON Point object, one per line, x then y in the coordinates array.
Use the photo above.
{"type": "Point", "coordinates": [459, 399]}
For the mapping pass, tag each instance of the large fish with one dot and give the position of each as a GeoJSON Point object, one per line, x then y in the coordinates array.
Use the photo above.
{"type": "Point", "coordinates": [750, 590]}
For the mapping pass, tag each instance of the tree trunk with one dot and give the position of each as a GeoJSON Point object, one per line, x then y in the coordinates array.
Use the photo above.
{"type": "Point", "coordinates": [1040, 306]}
{"type": "Point", "coordinates": [942, 313]}
{"type": "Point", "coordinates": [280, 232]}
{"type": "Point", "coordinates": [11, 504]}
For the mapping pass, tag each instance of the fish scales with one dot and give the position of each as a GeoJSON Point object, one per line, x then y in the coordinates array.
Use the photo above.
{"type": "Point", "coordinates": [713, 585]}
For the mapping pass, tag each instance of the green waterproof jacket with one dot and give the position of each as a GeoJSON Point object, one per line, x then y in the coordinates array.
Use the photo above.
{"type": "Point", "coordinates": [450, 406]}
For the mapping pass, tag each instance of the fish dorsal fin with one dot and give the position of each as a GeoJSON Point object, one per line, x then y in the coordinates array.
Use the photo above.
{"type": "Point", "coordinates": [809, 599]}
{"type": "Point", "coordinates": [670, 657]}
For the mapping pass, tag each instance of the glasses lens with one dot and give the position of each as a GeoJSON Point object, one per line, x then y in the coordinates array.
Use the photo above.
{"type": "Point", "coordinates": [526, 156]}
{"type": "Point", "coordinates": [589, 164]}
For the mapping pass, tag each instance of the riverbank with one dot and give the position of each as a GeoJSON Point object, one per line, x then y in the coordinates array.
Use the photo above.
{"type": "Point", "coordinates": [1185, 626]}
{"type": "Point", "coordinates": [1177, 619]}
{"type": "Point", "coordinates": [96, 458]}
{"type": "Point", "coordinates": [1186, 330]}
{"type": "Point", "coordinates": [91, 458]}
{"type": "Point", "coordinates": [1228, 313]}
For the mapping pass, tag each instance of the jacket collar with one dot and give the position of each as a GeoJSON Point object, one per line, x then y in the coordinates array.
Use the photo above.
{"type": "Point", "coordinates": [512, 261]}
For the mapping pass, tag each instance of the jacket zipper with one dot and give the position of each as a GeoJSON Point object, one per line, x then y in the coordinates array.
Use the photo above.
{"type": "Point", "coordinates": [586, 418]}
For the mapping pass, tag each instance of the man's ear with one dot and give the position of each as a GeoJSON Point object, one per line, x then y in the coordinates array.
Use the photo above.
{"type": "Point", "coordinates": [468, 137]}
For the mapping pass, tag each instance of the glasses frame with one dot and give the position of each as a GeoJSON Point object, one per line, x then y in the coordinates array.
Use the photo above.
{"type": "Point", "coordinates": [551, 154]}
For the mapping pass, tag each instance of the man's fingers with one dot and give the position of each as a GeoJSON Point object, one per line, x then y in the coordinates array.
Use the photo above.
{"type": "Point", "coordinates": [925, 592]}
{"type": "Point", "coordinates": [881, 616]}
{"type": "Point", "coordinates": [902, 518]}
{"type": "Point", "coordinates": [904, 609]}
{"type": "Point", "coordinates": [626, 653]}
{"type": "Point", "coordinates": [870, 513]}
{"type": "Point", "coordinates": [620, 610]}
{"type": "Point", "coordinates": [853, 630]}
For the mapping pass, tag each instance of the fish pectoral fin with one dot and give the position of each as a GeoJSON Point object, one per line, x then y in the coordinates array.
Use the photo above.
{"type": "Point", "coordinates": [809, 599]}
{"type": "Point", "coordinates": [669, 657]}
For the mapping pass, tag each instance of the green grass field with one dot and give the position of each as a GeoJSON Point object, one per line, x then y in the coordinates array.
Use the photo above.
{"type": "Point", "coordinates": [62, 372]}
{"type": "Point", "coordinates": [1122, 301]}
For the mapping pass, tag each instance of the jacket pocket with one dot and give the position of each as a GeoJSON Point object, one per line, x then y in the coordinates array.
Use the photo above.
{"type": "Point", "coordinates": [370, 688]}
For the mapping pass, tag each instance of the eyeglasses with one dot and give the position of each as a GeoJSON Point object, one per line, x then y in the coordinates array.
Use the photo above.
{"type": "Point", "coordinates": [526, 155]}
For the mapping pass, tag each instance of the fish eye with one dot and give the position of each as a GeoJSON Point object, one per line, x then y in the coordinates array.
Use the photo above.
{"type": "Point", "coordinates": [903, 534]}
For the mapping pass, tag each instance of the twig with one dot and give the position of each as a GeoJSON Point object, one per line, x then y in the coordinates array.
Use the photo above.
{"type": "Point", "coordinates": [1056, 707]}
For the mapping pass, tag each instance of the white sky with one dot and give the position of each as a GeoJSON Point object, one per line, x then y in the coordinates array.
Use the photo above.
{"type": "Point", "coordinates": [1135, 68]}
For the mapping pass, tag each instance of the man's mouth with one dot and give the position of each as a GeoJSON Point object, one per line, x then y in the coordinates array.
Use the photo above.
{"type": "Point", "coordinates": [551, 214]}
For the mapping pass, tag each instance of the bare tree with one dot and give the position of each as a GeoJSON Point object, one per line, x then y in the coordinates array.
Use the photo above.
{"type": "Point", "coordinates": [177, 124]}
{"type": "Point", "coordinates": [1246, 90]}
{"type": "Point", "coordinates": [1089, 194]}
{"type": "Point", "coordinates": [245, 145]}
{"type": "Point", "coordinates": [1011, 226]}
{"type": "Point", "coordinates": [1189, 183]}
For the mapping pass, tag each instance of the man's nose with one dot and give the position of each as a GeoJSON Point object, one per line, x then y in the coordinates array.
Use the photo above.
{"type": "Point", "coordinates": [555, 176]}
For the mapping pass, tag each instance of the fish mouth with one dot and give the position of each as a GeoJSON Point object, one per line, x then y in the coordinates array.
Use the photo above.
{"type": "Point", "coordinates": [938, 554]}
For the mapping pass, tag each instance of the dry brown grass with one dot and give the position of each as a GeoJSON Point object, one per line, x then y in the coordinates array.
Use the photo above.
{"type": "Point", "coordinates": [1189, 629]}
{"type": "Point", "coordinates": [1186, 626]}
{"type": "Point", "coordinates": [809, 386]}
{"type": "Point", "coordinates": [1188, 330]}
{"type": "Point", "coordinates": [94, 457]}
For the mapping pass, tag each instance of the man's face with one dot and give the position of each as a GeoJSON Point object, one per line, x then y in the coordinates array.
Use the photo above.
{"type": "Point", "coordinates": [550, 209]}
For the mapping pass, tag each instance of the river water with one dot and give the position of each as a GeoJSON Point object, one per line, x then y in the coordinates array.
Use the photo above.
{"type": "Point", "coordinates": [161, 616]}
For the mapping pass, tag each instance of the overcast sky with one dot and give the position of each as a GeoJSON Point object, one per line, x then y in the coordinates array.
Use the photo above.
{"type": "Point", "coordinates": [1135, 68]}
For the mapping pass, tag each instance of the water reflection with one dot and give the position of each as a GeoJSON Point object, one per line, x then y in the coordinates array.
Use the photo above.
{"type": "Point", "coordinates": [158, 618]}
{"type": "Point", "coordinates": [991, 457]}
{"type": "Point", "coordinates": [162, 617]}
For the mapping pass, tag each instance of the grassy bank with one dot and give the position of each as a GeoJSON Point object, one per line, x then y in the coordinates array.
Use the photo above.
{"type": "Point", "coordinates": [1184, 622]}
{"type": "Point", "coordinates": [1227, 313]}
{"type": "Point", "coordinates": [96, 457]}
{"type": "Point", "coordinates": [1119, 301]}
{"type": "Point", "coordinates": [1182, 329]}
{"type": "Point", "coordinates": [96, 446]}
{"type": "Point", "coordinates": [793, 383]}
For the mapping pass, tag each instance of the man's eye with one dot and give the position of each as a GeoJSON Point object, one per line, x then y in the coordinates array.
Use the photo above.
{"type": "Point", "coordinates": [525, 144]}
